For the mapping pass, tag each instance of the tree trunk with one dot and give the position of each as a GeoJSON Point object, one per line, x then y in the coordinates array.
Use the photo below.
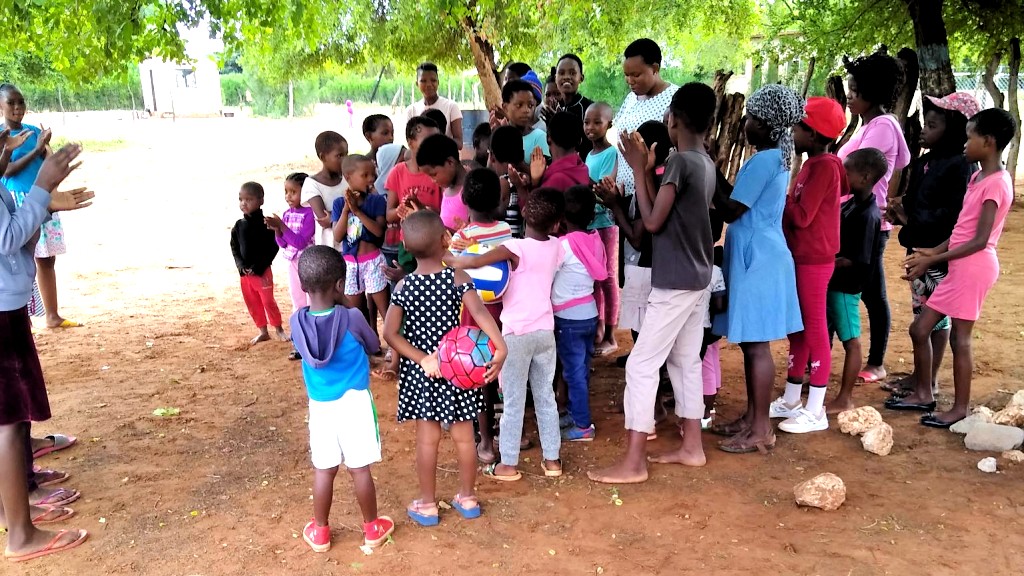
{"type": "Point", "coordinates": [483, 58]}
{"type": "Point", "coordinates": [988, 79]}
{"type": "Point", "coordinates": [1011, 97]}
{"type": "Point", "coordinates": [932, 47]}
{"type": "Point", "coordinates": [808, 76]}
{"type": "Point", "coordinates": [912, 72]}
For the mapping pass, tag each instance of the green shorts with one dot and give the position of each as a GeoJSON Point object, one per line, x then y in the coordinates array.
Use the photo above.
{"type": "Point", "coordinates": [843, 312]}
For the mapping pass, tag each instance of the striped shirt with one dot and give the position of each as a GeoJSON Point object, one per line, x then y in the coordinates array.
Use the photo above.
{"type": "Point", "coordinates": [490, 235]}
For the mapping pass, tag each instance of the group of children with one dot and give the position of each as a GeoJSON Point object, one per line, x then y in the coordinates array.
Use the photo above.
{"type": "Point", "coordinates": [384, 234]}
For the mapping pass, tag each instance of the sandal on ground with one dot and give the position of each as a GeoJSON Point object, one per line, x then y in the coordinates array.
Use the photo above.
{"type": "Point", "coordinates": [60, 442]}
{"type": "Point", "coordinates": [485, 459]}
{"type": "Point", "coordinates": [931, 421]}
{"type": "Point", "coordinates": [52, 547]}
{"type": "Point", "coordinates": [59, 498]}
{"type": "Point", "coordinates": [467, 506]}
{"type": "Point", "coordinates": [746, 447]}
{"type": "Point", "coordinates": [897, 388]}
{"type": "Point", "coordinates": [551, 472]}
{"type": "Point", "coordinates": [869, 377]}
{"type": "Point", "coordinates": [52, 515]}
{"type": "Point", "coordinates": [66, 324]}
{"type": "Point", "coordinates": [294, 355]}
{"type": "Point", "coordinates": [381, 529]}
{"type": "Point", "coordinates": [54, 477]}
{"type": "Point", "coordinates": [422, 513]}
{"type": "Point", "coordinates": [318, 537]}
{"type": "Point", "coordinates": [488, 471]}
{"type": "Point", "coordinates": [728, 429]}
{"type": "Point", "coordinates": [385, 374]}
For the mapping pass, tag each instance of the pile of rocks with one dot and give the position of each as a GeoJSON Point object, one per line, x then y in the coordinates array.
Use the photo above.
{"type": "Point", "coordinates": [988, 431]}
{"type": "Point", "coordinates": [866, 422]}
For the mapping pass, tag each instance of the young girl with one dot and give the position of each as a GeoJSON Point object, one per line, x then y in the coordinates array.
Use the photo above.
{"type": "Point", "coordinates": [408, 188]}
{"type": "Point", "coordinates": [438, 157]}
{"type": "Point", "coordinates": [929, 209]}
{"type": "Point", "coordinates": [527, 322]}
{"type": "Point", "coordinates": [379, 131]}
{"type": "Point", "coordinates": [973, 266]}
{"type": "Point", "coordinates": [294, 232]}
{"type": "Point", "coordinates": [602, 162]}
{"type": "Point", "coordinates": [507, 158]}
{"type": "Point", "coordinates": [427, 82]}
{"type": "Point", "coordinates": [428, 306]}
{"type": "Point", "coordinates": [359, 225]}
{"type": "Point", "coordinates": [575, 309]}
{"type": "Point", "coordinates": [18, 178]}
{"type": "Point", "coordinates": [320, 190]}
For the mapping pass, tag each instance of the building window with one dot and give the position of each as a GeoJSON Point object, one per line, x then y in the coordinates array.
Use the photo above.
{"type": "Point", "coordinates": [186, 78]}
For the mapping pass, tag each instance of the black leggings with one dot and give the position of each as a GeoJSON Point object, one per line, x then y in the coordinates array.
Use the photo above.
{"type": "Point", "coordinates": [877, 303]}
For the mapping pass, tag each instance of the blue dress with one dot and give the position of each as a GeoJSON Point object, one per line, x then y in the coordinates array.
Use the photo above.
{"type": "Point", "coordinates": [759, 273]}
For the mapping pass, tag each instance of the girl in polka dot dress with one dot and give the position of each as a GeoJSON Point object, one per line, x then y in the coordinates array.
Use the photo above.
{"type": "Point", "coordinates": [429, 303]}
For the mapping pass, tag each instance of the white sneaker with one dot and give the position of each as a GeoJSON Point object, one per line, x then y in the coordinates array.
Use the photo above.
{"type": "Point", "coordinates": [805, 422]}
{"type": "Point", "coordinates": [779, 409]}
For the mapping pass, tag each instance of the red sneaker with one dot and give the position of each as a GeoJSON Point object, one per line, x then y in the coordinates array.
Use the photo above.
{"type": "Point", "coordinates": [378, 531]}
{"type": "Point", "coordinates": [318, 537]}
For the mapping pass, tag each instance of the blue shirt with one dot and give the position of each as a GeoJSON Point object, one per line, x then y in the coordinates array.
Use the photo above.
{"type": "Point", "coordinates": [374, 206]}
{"type": "Point", "coordinates": [348, 368]}
{"type": "Point", "coordinates": [534, 139]}
{"type": "Point", "coordinates": [17, 227]}
{"type": "Point", "coordinates": [22, 181]}
{"type": "Point", "coordinates": [601, 164]}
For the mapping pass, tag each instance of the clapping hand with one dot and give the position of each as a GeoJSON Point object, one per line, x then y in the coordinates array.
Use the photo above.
{"type": "Point", "coordinates": [10, 143]}
{"type": "Point", "coordinates": [518, 179]}
{"type": "Point", "coordinates": [497, 117]}
{"type": "Point", "coordinates": [44, 139]}
{"type": "Point", "coordinates": [538, 164]}
{"type": "Point", "coordinates": [70, 200]}
{"type": "Point", "coordinates": [275, 223]}
{"type": "Point", "coordinates": [634, 150]}
{"type": "Point", "coordinates": [918, 263]}
{"type": "Point", "coordinates": [608, 191]}
{"type": "Point", "coordinates": [58, 166]}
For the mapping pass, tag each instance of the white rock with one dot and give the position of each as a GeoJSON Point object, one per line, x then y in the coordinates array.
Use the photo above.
{"type": "Point", "coordinates": [825, 491]}
{"type": "Point", "coordinates": [1017, 400]}
{"type": "Point", "coordinates": [994, 438]}
{"type": "Point", "coordinates": [985, 413]}
{"type": "Point", "coordinates": [1012, 415]}
{"type": "Point", "coordinates": [988, 465]}
{"type": "Point", "coordinates": [859, 420]}
{"type": "Point", "coordinates": [878, 440]}
{"type": "Point", "coordinates": [967, 424]}
{"type": "Point", "coordinates": [1015, 456]}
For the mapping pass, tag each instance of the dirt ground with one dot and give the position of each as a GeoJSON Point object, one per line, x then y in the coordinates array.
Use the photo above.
{"type": "Point", "coordinates": [224, 488]}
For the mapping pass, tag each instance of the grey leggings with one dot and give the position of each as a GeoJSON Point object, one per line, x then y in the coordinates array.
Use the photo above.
{"type": "Point", "coordinates": [531, 358]}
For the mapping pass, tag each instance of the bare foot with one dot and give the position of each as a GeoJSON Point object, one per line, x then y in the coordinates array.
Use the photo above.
{"type": "Point", "coordinates": [484, 454]}
{"type": "Point", "coordinates": [619, 474]}
{"type": "Point", "coordinates": [680, 456]}
{"type": "Point", "coordinates": [836, 406]}
{"type": "Point", "coordinates": [605, 348]}
{"type": "Point", "coordinates": [42, 539]}
{"type": "Point", "coordinates": [280, 335]}
{"type": "Point", "coordinates": [263, 336]}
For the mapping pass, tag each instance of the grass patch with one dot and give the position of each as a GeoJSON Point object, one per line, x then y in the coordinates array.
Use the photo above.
{"type": "Point", "coordinates": [92, 145]}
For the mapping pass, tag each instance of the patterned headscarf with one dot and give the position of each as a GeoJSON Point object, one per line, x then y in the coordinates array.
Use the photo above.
{"type": "Point", "coordinates": [780, 108]}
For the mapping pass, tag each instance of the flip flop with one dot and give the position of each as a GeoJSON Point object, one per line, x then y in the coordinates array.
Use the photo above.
{"type": "Point", "coordinates": [740, 448]}
{"type": "Point", "coordinates": [51, 548]}
{"type": "Point", "coordinates": [931, 421]}
{"type": "Point", "coordinates": [727, 428]}
{"type": "Point", "coordinates": [868, 377]}
{"type": "Point", "coordinates": [57, 477]}
{"type": "Point", "coordinates": [60, 442]}
{"type": "Point", "coordinates": [415, 511]}
{"type": "Point", "coordinates": [385, 374]}
{"type": "Point", "coordinates": [67, 324]}
{"type": "Point", "coordinates": [488, 472]}
{"type": "Point", "coordinates": [59, 498]}
{"type": "Point", "coordinates": [469, 513]}
{"type": "Point", "coordinates": [548, 473]}
{"type": "Point", "coordinates": [63, 514]}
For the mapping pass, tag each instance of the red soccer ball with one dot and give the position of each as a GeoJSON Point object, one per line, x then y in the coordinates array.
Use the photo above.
{"type": "Point", "coordinates": [463, 355]}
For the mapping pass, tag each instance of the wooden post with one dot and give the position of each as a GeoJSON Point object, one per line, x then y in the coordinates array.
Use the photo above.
{"type": "Point", "coordinates": [808, 76]}
{"type": "Point", "coordinates": [60, 101]}
{"type": "Point", "coordinates": [291, 99]}
{"type": "Point", "coordinates": [1011, 97]}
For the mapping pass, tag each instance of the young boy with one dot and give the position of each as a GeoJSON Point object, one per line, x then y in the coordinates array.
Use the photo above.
{"type": "Point", "coordinates": [335, 344]}
{"type": "Point", "coordinates": [568, 77]}
{"type": "Point", "coordinates": [320, 190]}
{"type": "Point", "coordinates": [506, 158]}
{"type": "Point", "coordinates": [254, 247]}
{"type": "Point", "coordinates": [378, 131]}
{"type": "Point", "coordinates": [519, 100]}
{"type": "Point", "coordinates": [438, 157]}
{"type": "Point", "coordinates": [566, 169]}
{"type": "Point", "coordinates": [602, 162]}
{"type": "Point", "coordinates": [858, 239]}
{"type": "Point", "coordinates": [409, 188]}
{"type": "Point", "coordinates": [810, 222]}
{"type": "Point", "coordinates": [481, 147]}
{"type": "Point", "coordinates": [359, 223]}
{"type": "Point", "coordinates": [677, 215]}
{"type": "Point", "coordinates": [427, 81]}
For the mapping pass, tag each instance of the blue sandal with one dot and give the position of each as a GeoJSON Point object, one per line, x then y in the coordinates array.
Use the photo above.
{"type": "Point", "coordinates": [469, 513]}
{"type": "Point", "coordinates": [416, 512]}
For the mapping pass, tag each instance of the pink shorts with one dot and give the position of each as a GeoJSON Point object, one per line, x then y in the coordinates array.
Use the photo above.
{"type": "Point", "coordinates": [712, 370]}
{"type": "Point", "coordinates": [363, 274]}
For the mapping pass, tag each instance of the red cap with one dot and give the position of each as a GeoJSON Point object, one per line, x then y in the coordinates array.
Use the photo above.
{"type": "Point", "coordinates": [825, 116]}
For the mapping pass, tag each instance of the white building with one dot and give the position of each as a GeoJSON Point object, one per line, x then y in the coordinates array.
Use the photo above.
{"type": "Point", "coordinates": [186, 88]}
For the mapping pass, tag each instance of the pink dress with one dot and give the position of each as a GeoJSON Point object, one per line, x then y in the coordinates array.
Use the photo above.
{"type": "Point", "coordinates": [970, 278]}
{"type": "Point", "coordinates": [883, 133]}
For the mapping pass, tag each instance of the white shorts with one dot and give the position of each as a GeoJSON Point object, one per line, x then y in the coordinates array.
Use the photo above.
{"type": "Point", "coordinates": [636, 291]}
{"type": "Point", "coordinates": [344, 431]}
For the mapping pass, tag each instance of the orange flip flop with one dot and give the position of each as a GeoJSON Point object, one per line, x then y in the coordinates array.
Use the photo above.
{"type": "Point", "coordinates": [51, 548]}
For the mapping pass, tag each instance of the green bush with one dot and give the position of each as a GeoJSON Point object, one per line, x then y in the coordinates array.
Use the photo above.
{"type": "Point", "coordinates": [112, 93]}
{"type": "Point", "coordinates": [232, 89]}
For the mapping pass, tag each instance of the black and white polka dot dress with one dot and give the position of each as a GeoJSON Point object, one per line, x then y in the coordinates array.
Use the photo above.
{"type": "Point", "coordinates": [432, 304]}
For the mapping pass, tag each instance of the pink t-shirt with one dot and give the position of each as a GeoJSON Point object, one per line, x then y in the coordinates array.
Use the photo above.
{"type": "Point", "coordinates": [997, 188]}
{"type": "Point", "coordinates": [526, 305]}
{"type": "Point", "coordinates": [454, 212]}
{"type": "Point", "coordinates": [883, 133]}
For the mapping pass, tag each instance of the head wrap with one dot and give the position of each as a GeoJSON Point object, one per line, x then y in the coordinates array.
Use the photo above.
{"type": "Point", "coordinates": [780, 108]}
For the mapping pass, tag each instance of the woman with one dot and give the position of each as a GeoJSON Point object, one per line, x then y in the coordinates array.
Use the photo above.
{"type": "Point", "coordinates": [873, 86]}
{"type": "Point", "coordinates": [648, 99]}
{"type": "Point", "coordinates": [21, 378]}
{"type": "Point", "coordinates": [759, 272]}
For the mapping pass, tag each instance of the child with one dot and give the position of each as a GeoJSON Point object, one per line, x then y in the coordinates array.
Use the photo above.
{"type": "Point", "coordinates": [602, 162]}
{"type": "Point", "coordinates": [481, 147]}
{"type": "Point", "coordinates": [438, 157]}
{"type": "Point", "coordinates": [575, 310]}
{"type": "Point", "coordinates": [810, 222]}
{"type": "Point", "coordinates": [427, 81]}
{"type": "Point", "coordinates": [254, 247]}
{"type": "Point", "coordinates": [428, 306]}
{"type": "Point", "coordinates": [334, 343]}
{"type": "Point", "coordinates": [677, 216]}
{"type": "Point", "coordinates": [569, 76]}
{"type": "Point", "coordinates": [519, 101]}
{"type": "Point", "coordinates": [566, 169]}
{"type": "Point", "coordinates": [379, 131]}
{"type": "Point", "coordinates": [973, 268]}
{"type": "Point", "coordinates": [320, 190]}
{"type": "Point", "coordinates": [859, 235]}
{"type": "Point", "coordinates": [507, 158]}
{"type": "Point", "coordinates": [294, 233]}
{"type": "Point", "coordinates": [359, 225]}
{"type": "Point", "coordinates": [929, 209]}
{"type": "Point", "coordinates": [711, 366]}
{"type": "Point", "coordinates": [409, 188]}
{"type": "Point", "coordinates": [28, 146]}
{"type": "Point", "coordinates": [482, 194]}
{"type": "Point", "coordinates": [527, 323]}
